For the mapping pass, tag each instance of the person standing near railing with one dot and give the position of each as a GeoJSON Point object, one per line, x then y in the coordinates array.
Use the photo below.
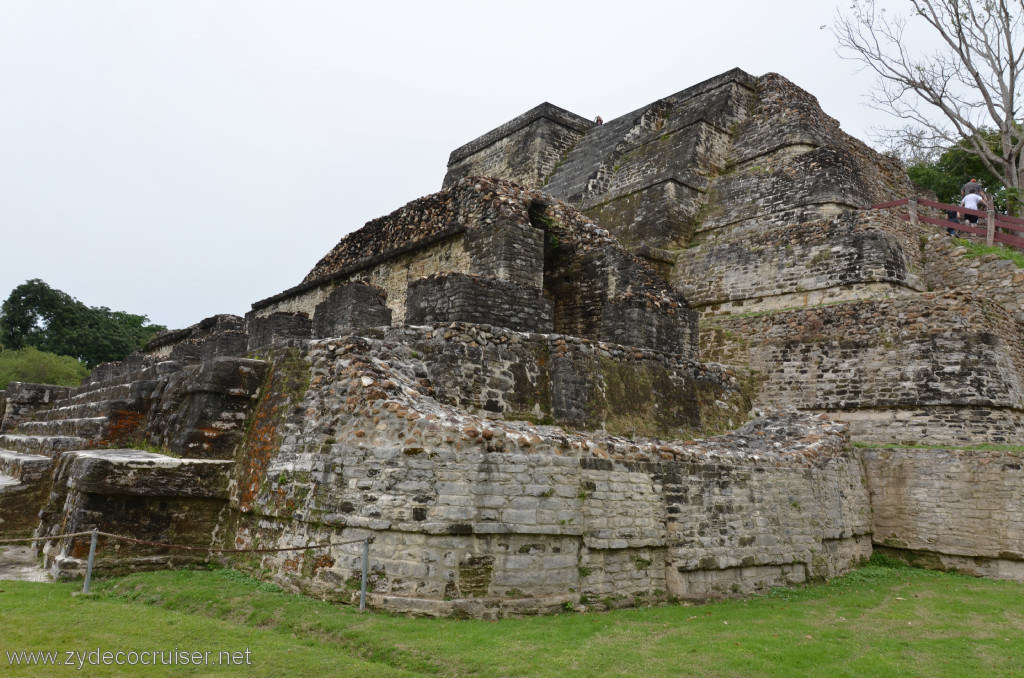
{"type": "Point", "coordinates": [972, 201]}
{"type": "Point", "coordinates": [970, 186]}
{"type": "Point", "coordinates": [951, 217]}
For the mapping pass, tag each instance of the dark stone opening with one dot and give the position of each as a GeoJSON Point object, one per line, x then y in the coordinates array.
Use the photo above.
{"type": "Point", "coordinates": [559, 286]}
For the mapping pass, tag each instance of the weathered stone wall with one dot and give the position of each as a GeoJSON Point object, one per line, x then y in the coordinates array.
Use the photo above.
{"type": "Point", "coordinates": [24, 486]}
{"type": "Point", "coordinates": [392, 275]}
{"type": "Point", "coordinates": [198, 412]}
{"type": "Point", "coordinates": [491, 252]}
{"type": "Point", "coordinates": [572, 382]}
{"type": "Point", "coordinates": [280, 328]}
{"type": "Point", "coordinates": [989, 276]}
{"type": "Point", "coordinates": [854, 256]}
{"type": "Point", "coordinates": [603, 292]}
{"type": "Point", "coordinates": [219, 335]}
{"type": "Point", "coordinates": [524, 150]}
{"type": "Point", "coordinates": [486, 517]}
{"type": "Point", "coordinates": [942, 368]}
{"type": "Point", "coordinates": [351, 306]}
{"type": "Point", "coordinates": [728, 156]}
{"type": "Point", "coordinates": [22, 400]}
{"type": "Point", "coordinates": [956, 509]}
{"type": "Point", "coordinates": [790, 162]}
{"type": "Point", "coordinates": [457, 297]}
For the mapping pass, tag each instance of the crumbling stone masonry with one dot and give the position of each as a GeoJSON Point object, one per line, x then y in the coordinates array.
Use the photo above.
{"type": "Point", "coordinates": [490, 252]}
{"type": "Point", "coordinates": [832, 308]}
{"type": "Point", "coordinates": [486, 516]}
{"type": "Point", "coordinates": [501, 383]}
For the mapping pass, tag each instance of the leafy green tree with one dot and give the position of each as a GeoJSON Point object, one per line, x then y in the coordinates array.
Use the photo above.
{"type": "Point", "coordinates": [37, 315]}
{"type": "Point", "coordinates": [35, 366]}
{"type": "Point", "coordinates": [947, 174]}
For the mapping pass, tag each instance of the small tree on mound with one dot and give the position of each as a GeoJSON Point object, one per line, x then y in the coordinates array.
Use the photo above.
{"type": "Point", "coordinates": [35, 366]}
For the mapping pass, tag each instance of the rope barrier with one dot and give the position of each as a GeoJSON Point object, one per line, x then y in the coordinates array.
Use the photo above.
{"type": "Point", "coordinates": [56, 536]}
{"type": "Point", "coordinates": [94, 534]}
{"type": "Point", "coordinates": [182, 546]}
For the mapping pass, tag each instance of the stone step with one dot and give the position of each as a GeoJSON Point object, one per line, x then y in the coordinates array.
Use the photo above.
{"type": "Point", "coordinates": [101, 408]}
{"type": "Point", "coordinates": [570, 179]}
{"type": "Point", "coordinates": [133, 389]}
{"type": "Point", "coordinates": [8, 483]}
{"type": "Point", "coordinates": [84, 394]}
{"type": "Point", "coordinates": [47, 446]}
{"type": "Point", "coordinates": [90, 427]}
{"type": "Point", "coordinates": [24, 468]}
{"type": "Point", "coordinates": [107, 375]}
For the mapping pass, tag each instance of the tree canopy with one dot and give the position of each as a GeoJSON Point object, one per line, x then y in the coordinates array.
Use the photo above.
{"type": "Point", "coordinates": [946, 175]}
{"type": "Point", "coordinates": [50, 320]}
{"type": "Point", "coordinates": [962, 93]}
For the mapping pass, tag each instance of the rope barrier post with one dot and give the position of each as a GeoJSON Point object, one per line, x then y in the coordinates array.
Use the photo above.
{"type": "Point", "coordinates": [912, 211]}
{"type": "Point", "coordinates": [366, 567]}
{"type": "Point", "coordinates": [990, 227]}
{"type": "Point", "coordinates": [92, 558]}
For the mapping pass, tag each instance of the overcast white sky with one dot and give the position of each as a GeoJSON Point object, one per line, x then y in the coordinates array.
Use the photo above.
{"type": "Point", "coordinates": [180, 158]}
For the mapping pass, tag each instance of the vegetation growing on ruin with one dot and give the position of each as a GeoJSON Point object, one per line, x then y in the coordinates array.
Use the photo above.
{"type": "Point", "coordinates": [883, 619]}
{"type": "Point", "coordinates": [39, 367]}
{"type": "Point", "coordinates": [975, 250]}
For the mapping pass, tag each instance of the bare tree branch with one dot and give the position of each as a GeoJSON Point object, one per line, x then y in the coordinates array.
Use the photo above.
{"type": "Point", "coordinates": [962, 93]}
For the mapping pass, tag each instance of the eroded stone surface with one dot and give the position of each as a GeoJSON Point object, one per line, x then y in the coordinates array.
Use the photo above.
{"type": "Point", "coordinates": [505, 390]}
{"type": "Point", "coordinates": [507, 509]}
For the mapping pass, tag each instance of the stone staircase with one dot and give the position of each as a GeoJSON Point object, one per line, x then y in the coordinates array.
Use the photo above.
{"type": "Point", "coordinates": [571, 180]}
{"type": "Point", "coordinates": [107, 410]}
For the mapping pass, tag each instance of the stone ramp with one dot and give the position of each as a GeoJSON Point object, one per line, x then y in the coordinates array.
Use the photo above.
{"type": "Point", "coordinates": [19, 563]}
{"type": "Point", "coordinates": [24, 483]}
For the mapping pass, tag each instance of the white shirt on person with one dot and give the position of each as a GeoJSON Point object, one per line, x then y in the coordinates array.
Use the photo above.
{"type": "Point", "coordinates": [971, 201]}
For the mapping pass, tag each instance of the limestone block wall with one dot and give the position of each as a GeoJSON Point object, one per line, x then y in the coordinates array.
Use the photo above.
{"type": "Point", "coordinates": [282, 328]}
{"type": "Point", "coordinates": [457, 297]}
{"type": "Point", "coordinates": [950, 508]}
{"type": "Point", "coordinates": [990, 276]}
{"type": "Point", "coordinates": [854, 256]}
{"type": "Point", "coordinates": [508, 251]}
{"type": "Point", "coordinates": [943, 368]}
{"type": "Point", "coordinates": [574, 382]}
{"type": "Point", "coordinates": [392, 275]}
{"type": "Point", "coordinates": [661, 215]}
{"type": "Point", "coordinates": [485, 517]}
{"type": "Point", "coordinates": [351, 306]}
{"type": "Point", "coordinates": [524, 150]}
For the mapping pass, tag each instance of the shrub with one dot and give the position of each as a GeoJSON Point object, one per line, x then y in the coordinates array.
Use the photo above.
{"type": "Point", "coordinates": [38, 367]}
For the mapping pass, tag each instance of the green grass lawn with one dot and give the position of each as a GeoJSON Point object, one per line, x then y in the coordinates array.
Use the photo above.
{"type": "Point", "coordinates": [881, 620]}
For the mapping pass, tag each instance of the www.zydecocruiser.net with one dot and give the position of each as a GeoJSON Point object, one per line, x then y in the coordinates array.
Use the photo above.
{"type": "Point", "coordinates": [80, 659]}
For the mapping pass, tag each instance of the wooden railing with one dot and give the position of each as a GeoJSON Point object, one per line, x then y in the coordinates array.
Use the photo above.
{"type": "Point", "coordinates": [998, 227]}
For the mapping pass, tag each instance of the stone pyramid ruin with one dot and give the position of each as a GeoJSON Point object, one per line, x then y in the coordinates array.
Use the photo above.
{"type": "Point", "coordinates": [671, 356]}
